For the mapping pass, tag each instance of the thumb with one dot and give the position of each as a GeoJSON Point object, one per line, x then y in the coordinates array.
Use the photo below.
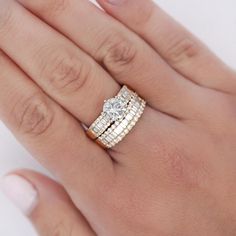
{"type": "Point", "coordinates": [45, 203]}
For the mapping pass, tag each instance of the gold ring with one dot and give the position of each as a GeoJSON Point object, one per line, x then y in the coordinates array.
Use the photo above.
{"type": "Point", "coordinates": [120, 114]}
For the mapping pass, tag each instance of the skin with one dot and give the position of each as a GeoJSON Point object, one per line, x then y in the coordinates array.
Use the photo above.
{"type": "Point", "coordinates": [174, 174]}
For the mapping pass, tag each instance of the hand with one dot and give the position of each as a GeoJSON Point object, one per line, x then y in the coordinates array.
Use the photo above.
{"type": "Point", "coordinates": [174, 174]}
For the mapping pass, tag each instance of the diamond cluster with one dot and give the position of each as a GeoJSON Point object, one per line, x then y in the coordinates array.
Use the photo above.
{"type": "Point", "coordinates": [119, 130]}
{"type": "Point", "coordinates": [119, 116]}
{"type": "Point", "coordinates": [115, 108]}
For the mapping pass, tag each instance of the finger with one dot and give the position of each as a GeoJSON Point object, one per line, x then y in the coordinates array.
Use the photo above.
{"type": "Point", "coordinates": [60, 68]}
{"type": "Point", "coordinates": [176, 45]}
{"type": "Point", "coordinates": [128, 58]}
{"type": "Point", "coordinates": [53, 136]}
{"type": "Point", "coordinates": [45, 203]}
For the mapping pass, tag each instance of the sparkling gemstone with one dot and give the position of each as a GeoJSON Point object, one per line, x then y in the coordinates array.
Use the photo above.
{"type": "Point", "coordinates": [126, 94]}
{"type": "Point", "coordinates": [115, 108]}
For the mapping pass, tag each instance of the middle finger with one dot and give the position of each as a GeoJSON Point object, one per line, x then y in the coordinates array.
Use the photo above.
{"type": "Point", "coordinates": [64, 71]}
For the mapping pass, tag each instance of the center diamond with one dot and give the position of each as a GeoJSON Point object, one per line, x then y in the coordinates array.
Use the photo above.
{"type": "Point", "coordinates": [115, 108]}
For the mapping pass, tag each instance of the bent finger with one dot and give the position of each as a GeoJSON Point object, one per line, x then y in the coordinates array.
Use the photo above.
{"type": "Point", "coordinates": [183, 51]}
{"type": "Point", "coordinates": [45, 203]}
{"type": "Point", "coordinates": [125, 56]}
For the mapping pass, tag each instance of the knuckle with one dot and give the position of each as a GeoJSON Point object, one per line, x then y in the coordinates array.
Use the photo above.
{"type": "Point", "coordinates": [182, 50]}
{"type": "Point", "coordinates": [178, 164]}
{"type": "Point", "coordinates": [118, 53]}
{"type": "Point", "coordinates": [66, 74]}
{"type": "Point", "coordinates": [183, 169]}
{"type": "Point", "coordinates": [33, 115]}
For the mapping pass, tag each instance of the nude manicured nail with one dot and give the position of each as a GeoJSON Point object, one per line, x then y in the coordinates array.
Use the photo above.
{"type": "Point", "coordinates": [116, 2]}
{"type": "Point", "coordinates": [21, 192]}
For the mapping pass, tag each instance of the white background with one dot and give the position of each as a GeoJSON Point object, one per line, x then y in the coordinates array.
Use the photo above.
{"type": "Point", "coordinates": [214, 21]}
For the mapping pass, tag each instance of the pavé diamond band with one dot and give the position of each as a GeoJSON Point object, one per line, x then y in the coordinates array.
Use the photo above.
{"type": "Point", "coordinates": [119, 116]}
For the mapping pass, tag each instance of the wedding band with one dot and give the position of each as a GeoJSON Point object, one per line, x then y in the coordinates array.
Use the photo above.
{"type": "Point", "coordinates": [120, 114]}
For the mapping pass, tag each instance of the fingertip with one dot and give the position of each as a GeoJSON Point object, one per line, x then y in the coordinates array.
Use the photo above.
{"type": "Point", "coordinates": [45, 203]}
{"type": "Point", "coordinates": [21, 192]}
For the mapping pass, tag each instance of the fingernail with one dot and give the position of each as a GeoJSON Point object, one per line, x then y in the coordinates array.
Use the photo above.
{"type": "Point", "coordinates": [116, 2]}
{"type": "Point", "coordinates": [21, 192]}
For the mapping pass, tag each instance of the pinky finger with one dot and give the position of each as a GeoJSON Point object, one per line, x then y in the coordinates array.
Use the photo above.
{"type": "Point", "coordinates": [45, 203]}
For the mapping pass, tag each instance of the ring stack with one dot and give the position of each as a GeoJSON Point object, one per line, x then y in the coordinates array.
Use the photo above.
{"type": "Point", "coordinates": [120, 114]}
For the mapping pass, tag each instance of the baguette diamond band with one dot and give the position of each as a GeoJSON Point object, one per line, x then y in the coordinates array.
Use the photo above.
{"type": "Point", "coordinates": [120, 114]}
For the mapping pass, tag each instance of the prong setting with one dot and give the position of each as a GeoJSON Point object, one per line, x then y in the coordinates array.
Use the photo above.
{"type": "Point", "coordinates": [120, 114]}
